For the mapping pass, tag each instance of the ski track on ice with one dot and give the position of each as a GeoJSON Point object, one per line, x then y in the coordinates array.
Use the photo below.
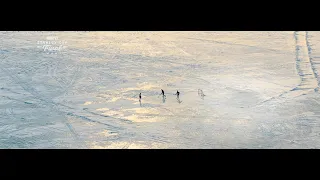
{"type": "Point", "coordinates": [54, 105]}
{"type": "Point", "coordinates": [97, 114]}
{"type": "Point", "coordinates": [29, 89]}
{"type": "Point", "coordinates": [9, 90]}
{"type": "Point", "coordinates": [236, 44]}
{"type": "Point", "coordinates": [49, 102]}
{"type": "Point", "coordinates": [304, 67]}
{"type": "Point", "coordinates": [315, 72]}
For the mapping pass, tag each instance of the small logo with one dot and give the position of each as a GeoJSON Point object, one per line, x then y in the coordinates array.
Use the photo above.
{"type": "Point", "coordinates": [52, 45]}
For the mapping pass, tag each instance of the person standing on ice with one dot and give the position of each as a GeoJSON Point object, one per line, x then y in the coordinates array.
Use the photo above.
{"type": "Point", "coordinates": [162, 92]}
{"type": "Point", "coordinates": [140, 99]}
{"type": "Point", "coordinates": [178, 93]}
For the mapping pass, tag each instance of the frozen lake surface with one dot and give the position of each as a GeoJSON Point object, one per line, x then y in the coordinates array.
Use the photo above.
{"type": "Point", "coordinates": [261, 90]}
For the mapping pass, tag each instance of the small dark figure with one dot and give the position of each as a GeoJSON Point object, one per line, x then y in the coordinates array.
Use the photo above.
{"type": "Point", "coordinates": [140, 99]}
{"type": "Point", "coordinates": [162, 92]}
{"type": "Point", "coordinates": [200, 93]}
{"type": "Point", "coordinates": [178, 93]}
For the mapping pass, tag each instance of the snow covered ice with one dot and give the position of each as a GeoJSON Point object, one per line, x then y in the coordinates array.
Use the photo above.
{"type": "Point", "coordinates": [237, 90]}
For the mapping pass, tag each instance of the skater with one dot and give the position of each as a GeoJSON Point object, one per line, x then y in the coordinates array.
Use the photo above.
{"type": "Point", "coordinates": [140, 99]}
{"type": "Point", "coordinates": [163, 96]}
{"type": "Point", "coordinates": [200, 93]}
{"type": "Point", "coordinates": [162, 92]}
{"type": "Point", "coordinates": [178, 93]}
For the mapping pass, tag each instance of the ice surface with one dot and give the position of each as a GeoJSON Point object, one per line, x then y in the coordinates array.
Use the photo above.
{"type": "Point", "coordinates": [237, 90]}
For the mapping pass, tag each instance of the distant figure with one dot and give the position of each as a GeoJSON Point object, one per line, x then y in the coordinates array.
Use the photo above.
{"type": "Point", "coordinates": [140, 99]}
{"type": "Point", "coordinates": [200, 93]}
{"type": "Point", "coordinates": [178, 93]}
{"type": "Point", "coordinates": [162, 92]}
